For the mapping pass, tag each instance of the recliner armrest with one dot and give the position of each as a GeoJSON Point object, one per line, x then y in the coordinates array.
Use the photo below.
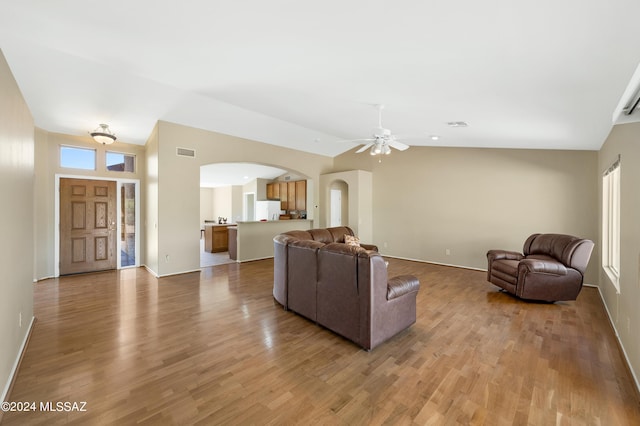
{"type": "Point", "coordinates": [401, 285]}
{"type": "Point", "coordinates": [543, 266]}
{"type": "Point", "coordinates": [504, 254]}
{"type": "Point", "coordinates": [372, 247]}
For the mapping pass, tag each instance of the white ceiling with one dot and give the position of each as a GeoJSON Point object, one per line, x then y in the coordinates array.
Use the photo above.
{"type": "Point", "coordinates": [545, 74]}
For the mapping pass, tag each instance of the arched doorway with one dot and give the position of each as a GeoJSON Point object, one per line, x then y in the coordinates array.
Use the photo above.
{"type": "Point", "coordinates": [238, 192]}
{"type": "Point", "coordinates": [339, 203]}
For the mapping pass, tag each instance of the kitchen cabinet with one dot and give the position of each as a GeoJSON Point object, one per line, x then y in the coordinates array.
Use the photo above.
{"type": "Point", "coordinates": [216, 238]}
{"type": "Point", "coordinates": [283, 195]}
{"type": "Point", "coordinates": [291, 196]}
{"type": "Point", "coordinates": [273, 191]}
{"type": "Point", "coordinates": [301, 195]}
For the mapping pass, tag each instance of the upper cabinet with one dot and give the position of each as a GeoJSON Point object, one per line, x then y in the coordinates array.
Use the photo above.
{"type": "Point", "coordinates": [292, 195]}
{"type": "Point", "coordinates": [283, 195]}
{"type": "Point", "coordinates": [301, 195]}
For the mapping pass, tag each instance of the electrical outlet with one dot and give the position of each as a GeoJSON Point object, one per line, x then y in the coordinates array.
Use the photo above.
{"type": "Point", "coordinates": [447, 252]}
{"type": "Point", "coordinates": [385, 244]}
{"type": "Point", "coordinates": [166, 258]}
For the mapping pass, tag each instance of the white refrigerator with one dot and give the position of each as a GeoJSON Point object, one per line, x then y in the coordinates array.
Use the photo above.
{"type": "Point", "coordinates": [268, 210]}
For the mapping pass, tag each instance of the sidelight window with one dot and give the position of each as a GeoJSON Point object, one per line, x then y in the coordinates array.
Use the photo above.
{"type": "Point", "coordinates": [611, 223]}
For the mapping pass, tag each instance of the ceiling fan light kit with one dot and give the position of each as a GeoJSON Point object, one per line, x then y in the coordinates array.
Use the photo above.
{"type": "Point", "coordinates": [382, 140]}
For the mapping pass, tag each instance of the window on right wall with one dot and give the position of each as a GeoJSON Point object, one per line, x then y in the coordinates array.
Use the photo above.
{"type": "Point", "coordinates": [611, 223]}
{"type": "Point", "coordinates": [120, 162]}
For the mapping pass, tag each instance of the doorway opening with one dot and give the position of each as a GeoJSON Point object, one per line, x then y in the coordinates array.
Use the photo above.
{"type": "Point", "coordinates": [339, 203]}
{"type": "Point", "coordinates": [249, 206]}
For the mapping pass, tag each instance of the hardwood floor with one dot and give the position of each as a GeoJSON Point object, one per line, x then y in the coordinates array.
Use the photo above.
{"type": "Point", "coordinates": [215, 348]}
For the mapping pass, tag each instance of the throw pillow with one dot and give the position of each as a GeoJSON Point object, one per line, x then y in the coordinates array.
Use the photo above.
{"type": "Point", "coordinates": [351, 240]}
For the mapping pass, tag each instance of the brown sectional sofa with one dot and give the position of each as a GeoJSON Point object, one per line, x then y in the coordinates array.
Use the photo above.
{"type": "Point", "coordinates": [341, 287]}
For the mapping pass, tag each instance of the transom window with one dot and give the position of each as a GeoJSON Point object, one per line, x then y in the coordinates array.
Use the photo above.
{"type": "Point", "coordinates": [77, 158]}
{"type": "Point", "coordinates": [120, 162]}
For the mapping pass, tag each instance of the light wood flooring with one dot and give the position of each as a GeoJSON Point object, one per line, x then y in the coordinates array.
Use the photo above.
{"type": "Point", "coordinates": [215, 348]}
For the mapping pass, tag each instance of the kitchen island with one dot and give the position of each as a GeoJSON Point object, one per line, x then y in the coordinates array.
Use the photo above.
{"type": "Point", "coordinates": [216, 237]}
{"type": "Point", "coordinates": [255, 239]}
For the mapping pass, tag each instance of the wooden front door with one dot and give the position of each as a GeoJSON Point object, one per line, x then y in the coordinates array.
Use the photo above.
{"type": "Point", "coordinates": [87, 225]}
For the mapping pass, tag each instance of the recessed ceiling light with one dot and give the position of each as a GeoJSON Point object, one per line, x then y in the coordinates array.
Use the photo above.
{"type": "Point", "coordinates": [246, 177]}
{"type": "Point", "coordinates": [434, 137]}
{"type": "Point", "coordinates": [457, 124]}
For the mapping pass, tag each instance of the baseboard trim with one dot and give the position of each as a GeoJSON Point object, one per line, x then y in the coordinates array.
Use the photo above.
{"type": "Point", "coordinates": [253, 260]}
{"type": "Point", "coordinates": [620, 345]}
{"type": "Point", "coordinates": [151, 271]}
{"type": "Point", "coordinates": [16, 365]}
{"type": "Point", "coordinates": [178, 273]}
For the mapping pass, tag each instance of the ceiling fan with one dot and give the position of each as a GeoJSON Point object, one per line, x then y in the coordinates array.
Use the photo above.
{"type": "Point", "coordinates": [381, 141]}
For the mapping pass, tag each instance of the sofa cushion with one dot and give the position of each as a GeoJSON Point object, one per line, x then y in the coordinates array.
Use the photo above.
{"type": "Point", "coordinates": [321, 235]}
{"type": "Point", "coordinates": [339, 232]}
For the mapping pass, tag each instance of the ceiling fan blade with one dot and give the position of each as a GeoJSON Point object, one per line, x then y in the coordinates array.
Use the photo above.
{"type": "Point", "coordinates": [398, 145]}
{"type": "Point", "coordinates": [364, 148]}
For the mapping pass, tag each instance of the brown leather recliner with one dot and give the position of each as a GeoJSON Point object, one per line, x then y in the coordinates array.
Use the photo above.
{"type": "Point", "coordinates": [551, 267]}
{"type": "Point", "coordinates": [343, 288]}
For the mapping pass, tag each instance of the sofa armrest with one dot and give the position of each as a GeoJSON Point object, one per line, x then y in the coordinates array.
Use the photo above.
{"type": "Point", "coordinates": [371, 247]}
{"type": "Point", "coordinates": [544, 266]}
{"type": "Point", "coordinates": [401, 285]}
{"type": "Point", "coordinates": [503, 254]}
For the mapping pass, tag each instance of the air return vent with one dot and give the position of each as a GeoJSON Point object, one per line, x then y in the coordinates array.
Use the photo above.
{"type": "Point", "coordinates": [186, 152]}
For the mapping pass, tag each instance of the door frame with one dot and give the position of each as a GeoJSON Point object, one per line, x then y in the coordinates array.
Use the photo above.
{"type": "Point", "coordinates": [119, 182]}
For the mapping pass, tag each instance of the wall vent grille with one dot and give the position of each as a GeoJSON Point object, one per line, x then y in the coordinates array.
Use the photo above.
{"type": "Point", "coordinates": [186, 152]}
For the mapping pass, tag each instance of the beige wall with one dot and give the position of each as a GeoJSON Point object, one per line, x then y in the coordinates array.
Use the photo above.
{"type": "Point", "coordinates": [16, 251]}
{"type": "Point", "coordinates": [222, 202]}
{"type": "Point", "coordinates": [47, 163]}
{"type": "Point", "coordinates": [178, 188]}
{"type": "Point", "coordinates": [206, 204]}
{"type": "Point", "coordinates": [623, 307]}
{"type": "Point", "coordinates": [427, 200]}
{"type": "Point", "coordinates": [150, 241]}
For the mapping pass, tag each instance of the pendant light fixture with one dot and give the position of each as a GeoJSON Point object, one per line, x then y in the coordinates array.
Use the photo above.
{"type": "Point", "coordinates": [103, 135]}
